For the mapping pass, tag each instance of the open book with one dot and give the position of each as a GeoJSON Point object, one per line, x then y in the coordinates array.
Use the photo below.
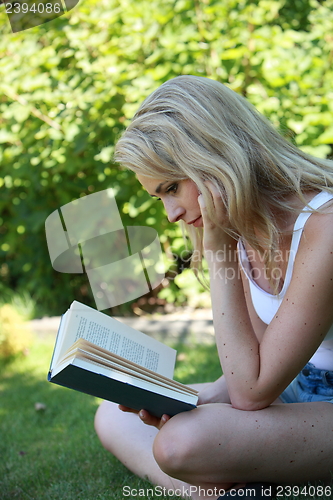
{"type": "Point", "coordinates": [103, 357]}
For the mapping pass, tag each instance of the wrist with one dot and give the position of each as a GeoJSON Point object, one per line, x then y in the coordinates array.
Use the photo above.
{"type": "Point", "coordinates": [226, 255]}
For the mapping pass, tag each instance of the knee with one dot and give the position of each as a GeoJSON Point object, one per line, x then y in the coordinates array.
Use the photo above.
{"type": "Point", "coordinates": [173, 448]}
{"type": "Point", "coordinates": [103, 422]}
{"type": "Point", "coordinates": [99, 422]}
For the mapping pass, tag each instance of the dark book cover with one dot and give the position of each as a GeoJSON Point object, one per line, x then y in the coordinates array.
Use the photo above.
{"type": "Point", "coordinates": [101, 386]}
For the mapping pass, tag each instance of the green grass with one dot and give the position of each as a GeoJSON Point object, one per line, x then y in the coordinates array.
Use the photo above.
{"type": "Point", "coordinates": [55, 454]}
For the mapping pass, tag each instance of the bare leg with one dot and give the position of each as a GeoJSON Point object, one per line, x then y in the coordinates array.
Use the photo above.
{"type": "Point", "coordinates": [131, 441]}
{"type": "Point", "coordinates": [218, 446]}
{"type": "Point", "coordinates": [284, 443]}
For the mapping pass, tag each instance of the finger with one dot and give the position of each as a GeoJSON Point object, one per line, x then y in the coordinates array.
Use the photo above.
{"type": "Point", "coordinates": [127, 409]}
{"type": "Point", "coordinates": [207, 222]}
{"type": "Point", "coordinates": [211, 186]}
{"type": "Point", "coordinates": [201, 201]}
{"type": "Point", "coordinates": [206, 214]}
{"type": "Point", "coordinates": [164, 420]}
{"type": "Point", "coordinates": [215, 194]}
{"type": "Point", "coordinates": [218, 201]}
{"type": "Point", "coordinates": [149, 419]}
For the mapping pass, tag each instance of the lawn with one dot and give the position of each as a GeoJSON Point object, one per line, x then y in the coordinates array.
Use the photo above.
{"type": "Point", "coordinates": [54, 454]}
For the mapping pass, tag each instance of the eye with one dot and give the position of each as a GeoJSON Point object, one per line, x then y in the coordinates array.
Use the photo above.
{"type": "Point", "coordinates": [172, 189]}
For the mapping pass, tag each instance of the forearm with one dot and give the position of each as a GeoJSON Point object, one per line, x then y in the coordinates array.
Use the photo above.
{"type": "Point", "coordinates": [237, 343]}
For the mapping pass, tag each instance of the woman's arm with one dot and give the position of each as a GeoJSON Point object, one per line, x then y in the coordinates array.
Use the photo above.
{"type": "Point", "coordinates": [237, 343]}
{"type": "Point", "coordinates": [217, 392]}
{"type": "Point", "coordinates": [257, 372]}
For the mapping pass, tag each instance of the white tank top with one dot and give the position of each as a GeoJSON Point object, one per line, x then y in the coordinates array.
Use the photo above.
{"type": "Point", "coordinates": [266, 304]}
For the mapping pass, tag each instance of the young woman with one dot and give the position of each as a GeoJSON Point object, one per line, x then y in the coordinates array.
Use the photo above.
{"type": "Point", "coordinates": [261, 211]}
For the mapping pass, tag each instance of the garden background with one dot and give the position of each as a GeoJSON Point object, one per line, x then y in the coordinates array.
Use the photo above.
{"type": "Point", "coordinates": [68, 89]}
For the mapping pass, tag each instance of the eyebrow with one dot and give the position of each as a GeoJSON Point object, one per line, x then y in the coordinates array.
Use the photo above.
{"type": "Point", "coordinates": [159, 187]}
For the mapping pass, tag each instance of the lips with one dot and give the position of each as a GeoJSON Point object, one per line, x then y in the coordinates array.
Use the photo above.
{"type": "Point", "coordinates": [196, 222]}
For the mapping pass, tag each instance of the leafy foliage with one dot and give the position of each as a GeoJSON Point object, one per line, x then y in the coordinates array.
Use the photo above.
{"type": "Point", "coordinates": [15, 337]}
{"type": "Point", "coordinates": [69, 87]}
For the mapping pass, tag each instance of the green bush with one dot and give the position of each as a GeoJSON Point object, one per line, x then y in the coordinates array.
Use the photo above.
{"type": "Point", "coordinates": [69, 87]}
{"type": "Point", "coordinates": [15, 336]}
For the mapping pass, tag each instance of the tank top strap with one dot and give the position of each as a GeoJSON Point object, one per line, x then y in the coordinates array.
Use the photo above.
{"type": "Point", "coordinates": [316, 202]}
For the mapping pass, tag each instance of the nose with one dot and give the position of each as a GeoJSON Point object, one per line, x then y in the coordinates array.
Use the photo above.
{"type": "Point", "coordinates": [174, 211]}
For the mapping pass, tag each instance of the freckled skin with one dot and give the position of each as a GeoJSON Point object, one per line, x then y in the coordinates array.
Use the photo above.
{"type": "Point", "coordinates": [240, 431]}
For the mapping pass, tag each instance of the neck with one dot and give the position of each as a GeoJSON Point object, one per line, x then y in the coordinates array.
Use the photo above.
{"type": "Point", "coordinates": [286, 218]}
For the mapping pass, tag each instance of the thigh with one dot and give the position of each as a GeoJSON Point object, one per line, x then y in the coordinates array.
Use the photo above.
{"type": "Point", "coordinates": [217, 443]}
{"type": "Point", "coordinates": [124, 433]}
{"type": "Point", "coordinates": [131, 441]}
{"type": "Point", "coordinates": [125, 436]}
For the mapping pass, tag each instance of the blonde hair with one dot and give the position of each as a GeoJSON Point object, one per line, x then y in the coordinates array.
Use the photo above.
{"type": "Point", "coordinates": [196, 128]}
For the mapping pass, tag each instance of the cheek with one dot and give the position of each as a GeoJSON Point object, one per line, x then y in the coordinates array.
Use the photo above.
{"type": "Point", "coordinates": [193, 191]}
{"type": "Point", "coordinates": [193, 197]}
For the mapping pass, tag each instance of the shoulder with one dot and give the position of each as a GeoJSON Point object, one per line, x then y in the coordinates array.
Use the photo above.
{"type": "Point", "coordinates": [314, 258]}
{"type": "Point", "coordinates": [319, 226]}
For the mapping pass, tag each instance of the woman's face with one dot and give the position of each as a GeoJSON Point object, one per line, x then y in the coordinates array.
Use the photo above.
{"type": "Point", "coordinates": [180, 198]}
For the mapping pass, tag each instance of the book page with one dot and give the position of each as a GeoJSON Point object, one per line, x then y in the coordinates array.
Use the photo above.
{"type": "Point", "coordinates": [125, 369]}
{"type": "Point", "coordinates": [61, 340]}
{"type": "Point", "coordinates": [84, 348]}
{"type": "Point", "coordinates": [106, 332]}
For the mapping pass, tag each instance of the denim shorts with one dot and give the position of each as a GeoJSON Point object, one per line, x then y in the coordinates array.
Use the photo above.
{"type": "Point", "coordinates": [311, 384]}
